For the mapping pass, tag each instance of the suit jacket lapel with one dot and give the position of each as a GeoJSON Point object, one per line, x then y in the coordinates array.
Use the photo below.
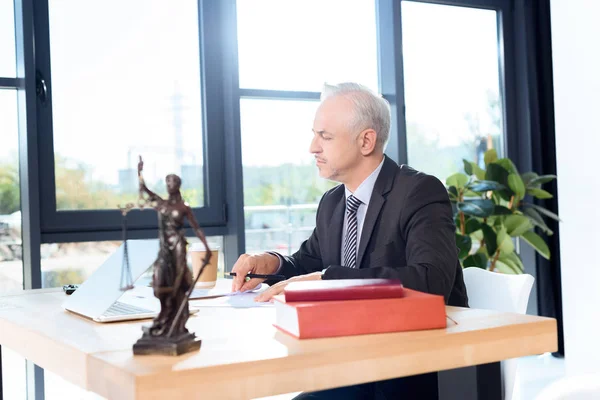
{"type": "Point", "coordinates": [382, 186]}
{"type": "Point", "coordinates": [335, 232]}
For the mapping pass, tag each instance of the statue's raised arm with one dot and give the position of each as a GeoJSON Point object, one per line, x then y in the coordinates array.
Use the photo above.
{"type": "Point", "coordinates": [143, 188]}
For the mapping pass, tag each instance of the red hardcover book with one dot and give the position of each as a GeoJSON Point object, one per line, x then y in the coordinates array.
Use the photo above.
{"type": "Point", "coordinates": [343, 289]}
{"type": "Point", "coordinates": [317, 319]}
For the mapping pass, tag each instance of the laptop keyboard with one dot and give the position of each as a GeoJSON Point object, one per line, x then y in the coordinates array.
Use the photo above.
{"type": "Point", "coordinates": [119, 308]}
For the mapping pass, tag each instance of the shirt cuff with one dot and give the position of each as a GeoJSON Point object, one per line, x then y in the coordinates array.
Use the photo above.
{"type": "Point", "coordinates": [280, 261]}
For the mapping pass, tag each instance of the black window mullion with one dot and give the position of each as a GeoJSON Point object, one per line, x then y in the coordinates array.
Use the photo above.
{"type": "Point", "coordinates": [8, 83]}
{"type": "Point", "coordinates": [28, 168]}
{"type": "Point", "coordinates": [391, 74]}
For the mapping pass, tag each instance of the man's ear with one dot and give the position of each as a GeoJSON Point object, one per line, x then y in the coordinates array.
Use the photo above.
{"type": "Point", "coordinates": [368, 141]}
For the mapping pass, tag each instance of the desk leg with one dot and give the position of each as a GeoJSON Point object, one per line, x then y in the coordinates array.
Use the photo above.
{"type": "Point", "coordinates": [481, 382]}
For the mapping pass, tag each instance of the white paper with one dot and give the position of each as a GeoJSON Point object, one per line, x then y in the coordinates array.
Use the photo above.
{"type": "Point", "coordinates": [222, 288]}
{"type": "Point", "coordinates": [235, 299]}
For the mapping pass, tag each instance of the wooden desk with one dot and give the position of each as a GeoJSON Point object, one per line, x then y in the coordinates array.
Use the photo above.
{"type": "Point", "coordinates": [244, 356]}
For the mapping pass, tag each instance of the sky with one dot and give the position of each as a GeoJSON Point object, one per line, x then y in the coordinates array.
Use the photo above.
{"type": "Point", "coordinates": [115, 73]}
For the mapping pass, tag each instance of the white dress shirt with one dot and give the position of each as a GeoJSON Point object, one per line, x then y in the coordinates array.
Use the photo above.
{"type": "Point", "coordinates": [363, 193]}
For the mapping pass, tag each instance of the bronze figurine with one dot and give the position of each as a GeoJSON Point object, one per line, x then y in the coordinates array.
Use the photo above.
{"type": "Point", "coordinates": [172, 279]}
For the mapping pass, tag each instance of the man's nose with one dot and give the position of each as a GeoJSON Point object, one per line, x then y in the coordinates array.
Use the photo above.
{"type": "Point", "coordinates": [314, 145]}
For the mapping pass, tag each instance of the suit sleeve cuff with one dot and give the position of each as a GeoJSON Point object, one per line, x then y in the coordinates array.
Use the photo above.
{"type": "Point", "coordinates": [280, 261]}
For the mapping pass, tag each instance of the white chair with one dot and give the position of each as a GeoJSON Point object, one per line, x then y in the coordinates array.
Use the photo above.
{"type": "Point", "coordinates": [500, 292]}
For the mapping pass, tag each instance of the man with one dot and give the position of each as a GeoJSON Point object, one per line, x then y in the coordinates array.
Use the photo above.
{"type": "Point", "coordinates": [383, 221]}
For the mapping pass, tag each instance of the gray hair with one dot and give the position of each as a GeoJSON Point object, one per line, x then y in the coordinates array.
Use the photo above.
{"type": "Point", "coordinates": [372, 110]}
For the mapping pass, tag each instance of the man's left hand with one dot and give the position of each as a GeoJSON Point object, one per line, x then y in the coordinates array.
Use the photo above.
{"type": "Point", "coordinates": [278, 288]}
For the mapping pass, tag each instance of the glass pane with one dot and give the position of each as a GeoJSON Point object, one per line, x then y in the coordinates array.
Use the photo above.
{"type": "Point", "coordinates": [300, 44]}
{"type": "Point", "coordinates": [451, 74]}
{"type": "Point", "coordinates": [8, 68]}
{"type": "Point", "coordinates": [11, 264]}
{"type": "Point", "coordinates": [120, 92]}
{"type": "Point", "coordinates": [281, 191]}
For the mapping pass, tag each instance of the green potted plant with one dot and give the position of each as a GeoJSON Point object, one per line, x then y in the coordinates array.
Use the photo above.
{"type": "Point", "coordinates": [491, 210]}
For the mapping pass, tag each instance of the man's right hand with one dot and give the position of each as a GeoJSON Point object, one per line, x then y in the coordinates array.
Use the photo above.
{"type": "Point", "coordinates": [257, 264]}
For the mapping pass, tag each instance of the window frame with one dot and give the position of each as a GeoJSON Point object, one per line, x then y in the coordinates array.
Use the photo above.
{"type": "Point", "coordinates": [82, 225]}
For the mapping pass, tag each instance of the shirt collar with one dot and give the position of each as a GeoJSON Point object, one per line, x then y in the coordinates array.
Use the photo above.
{"type": "Point", "coordinates": [365, 189]}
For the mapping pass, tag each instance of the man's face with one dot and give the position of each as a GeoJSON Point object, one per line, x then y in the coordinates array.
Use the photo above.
{"type": "Point", "coordinates": [334, 146]}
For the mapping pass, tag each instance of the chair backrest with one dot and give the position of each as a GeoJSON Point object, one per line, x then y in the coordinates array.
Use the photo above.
{"type": "Point", "coordinates": [496, 291]}
{"type": "Point", "coordinates": [500, 292]}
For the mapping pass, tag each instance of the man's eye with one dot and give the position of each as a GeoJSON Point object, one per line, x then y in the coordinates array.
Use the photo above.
{"type": "Point", "coordinates": [327, 137]}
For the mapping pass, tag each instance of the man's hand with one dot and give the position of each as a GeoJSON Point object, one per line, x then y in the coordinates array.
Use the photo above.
{"type": "Point", "coordinates": [278, 287]}
{"type": "Point", "coordinates": [257, 264]}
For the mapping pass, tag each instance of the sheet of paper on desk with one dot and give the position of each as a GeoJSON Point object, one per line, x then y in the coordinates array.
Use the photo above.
{"type": "Point", "coordinates": [233, 300]}
{"type": "Point", "coordinates": [222, 288]}
{"type": "Point", "coordinates": [241, 300]}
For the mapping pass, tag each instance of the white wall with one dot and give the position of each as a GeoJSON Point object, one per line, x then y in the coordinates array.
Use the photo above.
{"type": "Point", "coordinates": [576, 64]}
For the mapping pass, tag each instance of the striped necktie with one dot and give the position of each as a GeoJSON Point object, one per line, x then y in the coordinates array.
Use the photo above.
{"type": "Point", "coordinates": [352, 204]}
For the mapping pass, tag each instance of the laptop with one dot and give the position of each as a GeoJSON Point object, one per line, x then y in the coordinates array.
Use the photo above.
{"type": "Point", "coordinates": [100, 297]}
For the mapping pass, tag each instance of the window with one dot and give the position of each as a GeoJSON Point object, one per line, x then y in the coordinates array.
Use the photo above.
{"type": "Point", "coordinates": [282, 186]}
{"type": "Point", "coordinates": [121, 92]}
{"type": "Point", "coordinates": [300, 44]}
{"type": "Point", "coordinates": [287, 50]}
{"type": "Point", "coordinates": [452, 86]}
{"type": "Point", "coordinates": [11, 264]}
{"type": "Point", "coordinates": [113, 95]}
{"type": "Point", "coordinates": [7, 40]}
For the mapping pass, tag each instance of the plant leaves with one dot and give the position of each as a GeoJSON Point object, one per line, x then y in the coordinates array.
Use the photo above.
{"type": "Point", "coordinates": [537, 243]}
{"type": "Point", "coordinates": [496, 172]}
{"type": "Point", "coordinates": [468, 167]}
{"type": "Point", "coordinates": [464, 245]}
{"type": "Point", "coordinates": [539, 193]}
{"type": "Point", "coordinates": [477, 235]}
{"type": "Point", "coordinates": [516, 185]}
{"type": "Point", "coordinates": [457, 180]}
{"type": "Point", "coordinates": [489, 236]}
{"type": "Point", "coordinates": [478, 208]}
{"type": "Point", "coordinates": [508, 165]}
{"type": "Point", "coordinates": [505, 243]}
{"type": "Point", "coordinates": [537, 220]}
{"type": "Point", "coordinates": [544, 211]}
{"type": "Point", "coordinates": [479, 173]}
{"type": "Point", "coordinates": [514, 257]}
{"type": "Point", "coordinates": [504, 266]}
{"type": "Point", "coordinates": [478, 260]}
{"type": "Point", "coordinates": [472, 225]}
{"type": "Point", "coordinates": [516, 224]}
{"type": "Point", "coordinates": [501, 210]}
{"type": "Point", "coordinates": [540, 180]}
{"type": "Point", "coordinates": [528, 177]}
{"type": "Point", "coordinates": [453, 193]}
{"type": "Point", "coordinates": [470, 194]}
{"type": "Point", "coordinates": [484, 186]}
{"type": "Point", "coordinates": [490, 156]}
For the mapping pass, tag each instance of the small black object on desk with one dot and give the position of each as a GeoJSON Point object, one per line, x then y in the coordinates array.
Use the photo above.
{"type": "Point", "coordinates": [69, 289]}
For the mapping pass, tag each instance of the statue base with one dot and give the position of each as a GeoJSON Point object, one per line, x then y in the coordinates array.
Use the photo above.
{"type": "Point", "coordinates": [159, 345]}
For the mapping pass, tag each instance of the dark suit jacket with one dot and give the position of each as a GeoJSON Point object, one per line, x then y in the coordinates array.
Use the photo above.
{"type": "Point", "coordinates": [408, 234]}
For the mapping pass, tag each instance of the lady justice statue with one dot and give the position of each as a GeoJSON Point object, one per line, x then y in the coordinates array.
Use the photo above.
{"type": "Point", "coordinates": [172, 280]}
